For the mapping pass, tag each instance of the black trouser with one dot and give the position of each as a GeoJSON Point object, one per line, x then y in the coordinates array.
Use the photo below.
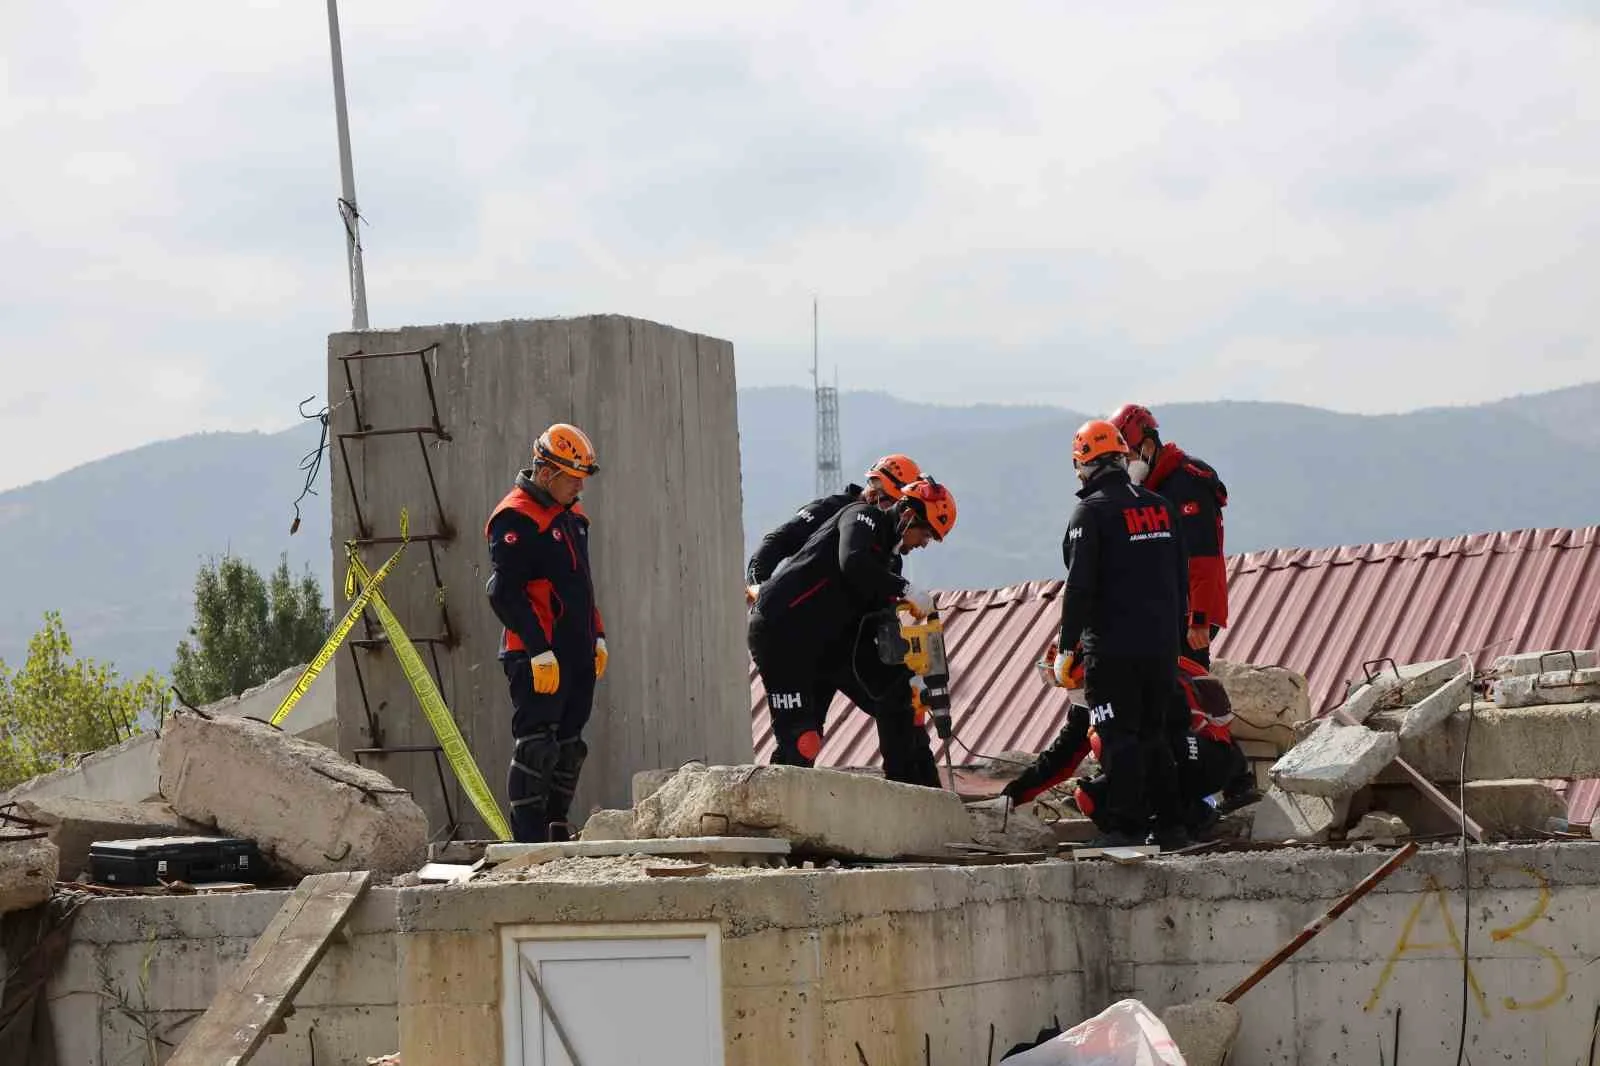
{"type": "Point", "coordinates": [1132, 707]}
{"type": "Point", "coordinates": [548, 752]}
{"type": "Point", "coordinates": [1206, 766]}
{"type": "Point", "coordinates": [801, 679]}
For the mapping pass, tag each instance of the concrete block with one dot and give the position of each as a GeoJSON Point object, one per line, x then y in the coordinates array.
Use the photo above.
{"type": "Point", "coordinates": [310, 810]}
{"type": "Point", "coordinates": [76, 823]}
{"type": "Point", "coordinates": [1380, 826]}
{"type": "Point", "coordinates": [28, 870]}
{"type": "Point", "coordinates": [1399, 686]}
{"type": "Point", "coordinates": [818, 811]}
{"type": "Point", "coordinates": [1282, 816]}
{"type": "Point", "coordinates": [122, 773]}
{"type": "Point", "coordinates": [608, 825]}
{"type": "Point", "coordinates": [440, 1034]}
{"type": "Point", "coordinates": [1268, 701]}
{"type": "Point", "coordinates": [1431, 711]}
{"type": "Point", "coordinates": [645, 782]}
{"type": "Point", "coordinates": [1335, 760]}
{"type": "Point", "coordinates": [455, 967]}
{"type": "Point", "coordinates": [1204, 1032]}
{"type": "Point", "coordinates": [1538, 662]}
{"type": "Point", "coordinates": [1513, 808]}
{"type": "Point", "coordinates": [1538, 690]}
{"type": "Point", "coordinates": [1561, 741]}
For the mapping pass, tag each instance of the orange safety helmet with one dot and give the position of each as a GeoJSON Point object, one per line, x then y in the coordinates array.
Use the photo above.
{"type": "Point", "coordinates": [568, 449]}
{"type": "Point", "coordinates": [1135, 423]}
{"type": "Point", "coordinates": [932, 504]}
{"type": "Point", "coordinates": [893, 473]}
{"type": "Point", "coordinates": [1095, 440]}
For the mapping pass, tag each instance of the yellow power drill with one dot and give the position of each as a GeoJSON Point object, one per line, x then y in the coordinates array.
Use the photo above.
{"type": "Point", "coordinates": [920, 647]}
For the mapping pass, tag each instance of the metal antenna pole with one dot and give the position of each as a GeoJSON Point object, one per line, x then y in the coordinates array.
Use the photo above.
{"type": "Point", "coordinates": [347, 178]}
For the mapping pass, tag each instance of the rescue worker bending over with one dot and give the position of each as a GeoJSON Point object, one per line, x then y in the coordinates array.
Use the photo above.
{"type": "Point", "coordinates": [1208, 757]}
{"type": "Point", "coordinates": [810, 618]}
{"type": "Point", "coordinates": [1198, 495]}
{"type": "Point", "coordinates": [553, 648]}
{"type": "Point", "coordinates": [1125, 599]}
{"type": "Point", "coordinates": [886, 482]}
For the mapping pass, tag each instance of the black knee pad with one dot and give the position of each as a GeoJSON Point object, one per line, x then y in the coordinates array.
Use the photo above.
{"type": "Point", "coordinates": [533, 762]}
{"type": "Point", "coordinates": [569, 764]}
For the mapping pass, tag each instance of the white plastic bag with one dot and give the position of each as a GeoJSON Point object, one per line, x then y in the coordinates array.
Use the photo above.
{"type": "Point", "coordinates": [1127, 1033]}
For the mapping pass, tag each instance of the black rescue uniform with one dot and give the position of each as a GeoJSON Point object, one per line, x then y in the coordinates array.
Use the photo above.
{"type": "Point", "coordinates": [1125, 599]}
{"type": "Point", "coordinates": [811, 634]}
{"type": "Point", "coordinates": [542, 591]}
{"type": "Point", "coordinates": [791, 536]}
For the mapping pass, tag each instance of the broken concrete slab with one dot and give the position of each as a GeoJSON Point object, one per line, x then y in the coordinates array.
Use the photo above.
{"type": "Point", "coordinates": [1204, 1032]}
{"type": "Point", "coordinates": [1431, 711]}
{"type": "Point", "coordinates": [74, 824]}
{"type": "Point", "coordinates": [1399, 686]}
{"type": "Point", "coordinates": [309, 809]}
{"type": "Point", "coordinates": [1539, 662]}
{"type": "Point", "coordinates": [820, 812]}
{"type": "Point", "coordinates": [29, 867]}
{"type": "Point", "coordinates": [1283, 816]}
{"type": "Point", "coordinates": [608, 825]}
{"type": "Point", "coordinates": [1335, 761]}
{"type": "Point", "coordinates": [1379, 826]}
{"type": "Point", "coordinates": [1507, 810]}
{"type": "Point", "coordinates": [1551, 742]}
{"type": "Point", "coordinates": [1551, 687]}
{"type": "Point", "coordinates": [734, 849]}
{"type": "Point", "coordinates": [645, 782]}
{"type": "Point", "coordinates": [1268, 701]}
{"type": "Point", "coordinates": [122, 773]}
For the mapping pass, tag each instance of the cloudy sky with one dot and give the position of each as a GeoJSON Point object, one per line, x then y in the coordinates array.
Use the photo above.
{"type": "Point", "coordinates": [1371, 207]}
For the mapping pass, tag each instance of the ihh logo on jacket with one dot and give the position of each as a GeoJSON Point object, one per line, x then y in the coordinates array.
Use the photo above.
{"type": "Point", "coordinates": [1147, 523]}
{"type": "Point", "coordinates": [784, 701]}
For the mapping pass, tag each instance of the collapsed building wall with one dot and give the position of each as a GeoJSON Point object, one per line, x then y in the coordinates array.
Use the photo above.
{"type": "Point", "coordinates": [667, 540]}
{"type": "Point", "coordinates": [814, 963]}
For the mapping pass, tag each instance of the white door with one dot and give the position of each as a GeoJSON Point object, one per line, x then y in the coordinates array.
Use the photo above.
{"type": "Point", "coordinates": [620, 999]}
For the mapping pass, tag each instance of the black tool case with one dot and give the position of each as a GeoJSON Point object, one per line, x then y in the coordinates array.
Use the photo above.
{"type": "Point", "coordinates": [195, 860]}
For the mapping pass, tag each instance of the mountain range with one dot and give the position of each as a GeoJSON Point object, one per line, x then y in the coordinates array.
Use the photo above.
{"type": "Point", "coordinates": [114, 544]}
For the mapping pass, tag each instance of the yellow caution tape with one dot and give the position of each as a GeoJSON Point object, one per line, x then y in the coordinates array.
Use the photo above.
{"type": "Point", "coordinates": [330, 647]}
{"type": "Point", "coordinates": [434, 707]}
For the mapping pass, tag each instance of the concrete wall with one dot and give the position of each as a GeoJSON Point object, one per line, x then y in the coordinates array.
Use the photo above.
{"type": "Point", "coordinates": [815, 963]}
{"type": "Point", "coordinates": [667, 545]}
{"type": "Point", "coordinates": [167, 957]}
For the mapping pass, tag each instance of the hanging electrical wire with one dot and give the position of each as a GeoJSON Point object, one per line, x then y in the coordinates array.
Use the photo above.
{"type": "Point", "coordinates": [311, 462]}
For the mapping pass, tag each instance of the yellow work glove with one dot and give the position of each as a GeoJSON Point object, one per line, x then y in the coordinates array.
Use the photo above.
{"type": "Point", "coordinates": [750, 594]}
{"type": "Point", "coordinates": [601, 657]}
{"type": "Point", "coordinates": [546, 673]}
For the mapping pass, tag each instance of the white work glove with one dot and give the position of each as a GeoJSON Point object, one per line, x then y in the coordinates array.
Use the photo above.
{"type": "Point", "coordinates": [546, 673]}
{"type": "Point", "coordinates": [1063, 668]}
{"type": "Point", "coordinates": [918, 601]}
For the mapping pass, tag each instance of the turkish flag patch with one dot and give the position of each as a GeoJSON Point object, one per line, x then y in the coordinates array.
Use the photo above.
{"type": "Point", "coordinates": [510, 536]}
{"type": "Point", "coordinates": [1191, 508]}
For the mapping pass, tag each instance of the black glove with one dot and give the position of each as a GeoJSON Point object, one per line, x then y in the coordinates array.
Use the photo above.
{"type": "Point", "coordinates": [1013, 791]}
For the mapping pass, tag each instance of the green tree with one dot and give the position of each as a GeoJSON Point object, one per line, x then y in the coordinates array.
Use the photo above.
{"type": "Point", "coordinates": [58, 706]}
{"type": "Point", "coordinates": [247, 629]}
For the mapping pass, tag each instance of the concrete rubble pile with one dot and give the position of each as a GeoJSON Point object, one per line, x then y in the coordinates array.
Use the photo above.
{"type": "Point", "coordinates": [1540, 725]}
{"type": "Point", "coordinates": [75, 824]}
{"type": "Point", "coordinates": [29, 866]}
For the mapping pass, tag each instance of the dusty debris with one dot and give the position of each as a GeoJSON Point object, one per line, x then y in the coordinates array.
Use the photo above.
{"type": "Point", "coordinates": [818, 811]}
{"type": "Point", "coordinates": [1335, 761]}
{"type": "Point", "coordinates": [583, 870]}
{"type": "Point", "coordinates": [29, 865]}
{"type": "Point", "coordinates": [309, 809]}
{"type": "Point", "coordinates": [1379, 826]}
{"type": "Point", "coordinates": [1020, 830]}
{"type": "Point", "coordinates": [1204, 1032]}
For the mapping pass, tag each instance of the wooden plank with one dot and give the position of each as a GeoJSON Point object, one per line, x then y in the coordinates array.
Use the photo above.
{"type": "Point", "coordinates": [261, 991]}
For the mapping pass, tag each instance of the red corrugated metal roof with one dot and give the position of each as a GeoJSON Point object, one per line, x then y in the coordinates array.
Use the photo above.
{"type": "Point", "coordinates": [1321, 613]}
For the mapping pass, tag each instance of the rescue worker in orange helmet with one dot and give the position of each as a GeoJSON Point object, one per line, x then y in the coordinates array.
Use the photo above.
{"type": "Point", "coordinates": [805, 630]}
{"type": "Point", "coordinates": [553, 647]}
{"type": "Point", "coordinates": [1198, 496]}
{"type": "Point", "coordinates": [886, 481]}
{"type": "Point", "coordinates": [1125, 596]}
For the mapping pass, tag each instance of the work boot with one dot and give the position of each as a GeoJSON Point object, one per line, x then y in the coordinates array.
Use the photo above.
{"type": "Point", "coordinates": [1238, 800]}
{"type": "Point", "coordinates": [1170, 838]}
{"type": "Point", "coordinates": [1116, 838]}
